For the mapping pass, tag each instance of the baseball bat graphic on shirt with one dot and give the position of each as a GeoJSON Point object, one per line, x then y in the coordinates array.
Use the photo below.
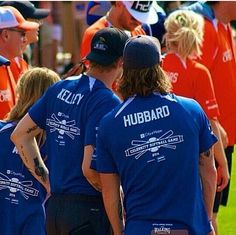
{"type": "Point", "coordinates": [167, 140]}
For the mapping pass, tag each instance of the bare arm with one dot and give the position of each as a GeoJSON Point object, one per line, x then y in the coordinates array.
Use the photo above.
{"type": "Point", "coordinates": [223, 135]}
{"type": "Point", "coordinates": [111, 198]}
{"type": "Point", "coordinates": [24, 138]}
{"type": "Point", "coordinates": [208, 179]}
{"type": "Point", "coordinates": [91, 175]}
{"type": "Point", "coordinates": [219, 154]}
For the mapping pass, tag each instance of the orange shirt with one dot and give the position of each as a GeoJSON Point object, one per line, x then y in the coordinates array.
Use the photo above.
{"type": "Point", "coordinates": [18, 66]}
{"type": "Point", "coordinates": [7, 91]}
{"type": "Point", "coordinates": [219, 57]}
{"type": "Point", "coordinates": [90, 31]}
{"type": "Point", "coordinates": [192, 80]}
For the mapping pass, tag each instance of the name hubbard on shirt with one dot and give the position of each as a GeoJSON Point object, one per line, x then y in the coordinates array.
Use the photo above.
{"type": "Point", "coordinates": [130, 119]}
{"type": "Point", "coordinates": [146, 116]}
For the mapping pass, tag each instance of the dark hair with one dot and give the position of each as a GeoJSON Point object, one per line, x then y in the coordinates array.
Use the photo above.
{"type": "Point", "coordinates": [143, 82]}
{"type": "Point", "coordinates": [76, 70]}
{"type": "Point", "coordinates": [100, 67]}
{"type": "Point", "coordinates": [211, 3]}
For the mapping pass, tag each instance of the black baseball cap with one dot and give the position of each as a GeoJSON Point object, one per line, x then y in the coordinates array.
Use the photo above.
{"type": "Point", "coordinates": [27, 9]}
{"type": "Point", "coordinates": [107, 45]}
{"type": "Point", "coordinates": [142, 52]}
{"type": "Point", "coordinates": [4, 61]}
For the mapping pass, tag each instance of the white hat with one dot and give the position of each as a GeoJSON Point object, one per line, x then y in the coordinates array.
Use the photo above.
{"type": "Point", "coordinates": [143, 11]}
{"type": "Point", "coordinates": [10, 17]}
{"type": "Point", "coordinates": [7, 19]}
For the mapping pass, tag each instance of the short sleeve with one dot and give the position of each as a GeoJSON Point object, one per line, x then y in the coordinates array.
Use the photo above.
{"type": "Point", "coordinates": [104, 162]}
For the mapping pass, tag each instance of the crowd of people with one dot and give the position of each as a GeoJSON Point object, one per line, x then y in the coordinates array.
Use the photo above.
{"type": "Point", "coordinates": [137, 138]}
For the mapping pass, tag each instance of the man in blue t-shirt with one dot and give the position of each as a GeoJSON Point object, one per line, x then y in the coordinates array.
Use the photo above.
{"type": "Point", "coordinates": [158, 146]}
{"type": "Point", "coordinates": [69, 112]}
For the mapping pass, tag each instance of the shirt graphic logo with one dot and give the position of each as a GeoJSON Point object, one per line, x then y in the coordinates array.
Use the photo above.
{"type": "Point", "coordinates": [160, 230]}
{"type": "Point", "coordinates": [63, 126]}
{"type": "Point", "coordinates": [5, 95]}
{"type": "Point", "coordinates": [153, 144]}
{"type": "Point", "coordinates": [14, 185]}
{"type": "Point", "coordinates": [227, 56]}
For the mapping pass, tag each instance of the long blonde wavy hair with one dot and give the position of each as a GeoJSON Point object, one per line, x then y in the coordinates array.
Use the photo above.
{"type": "Point", "coordinates": [30, 87]}
{"type": "Point", "coordinates": [184, 33]}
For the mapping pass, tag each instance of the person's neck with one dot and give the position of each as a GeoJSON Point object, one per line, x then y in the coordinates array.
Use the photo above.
{"type": "Point", "coordinates": [112, 17]}
{"type": "Point", "coordinates": [221, 13]}
{"type": "Point", "coordinates": [4, 53]}
{"type": "Point", "coordinates": [107, 77]}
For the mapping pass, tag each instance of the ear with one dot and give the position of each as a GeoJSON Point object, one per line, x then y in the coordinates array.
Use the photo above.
{"type": "Point", "coordinates": [4, 35]}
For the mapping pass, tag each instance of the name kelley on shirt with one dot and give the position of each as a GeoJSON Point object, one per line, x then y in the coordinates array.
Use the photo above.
{"type": "Point", "coordinates": [146, 116]}
{"type": "Point", "coordinates": [69, 97]}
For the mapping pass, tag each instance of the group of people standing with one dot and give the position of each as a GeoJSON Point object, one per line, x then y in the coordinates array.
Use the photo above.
{"type": "Point", "coordinates": [128, 146]}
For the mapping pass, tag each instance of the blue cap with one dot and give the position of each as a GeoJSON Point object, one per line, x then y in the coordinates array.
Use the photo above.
{"type": "Point", "coordinates": [4, 61]}
{"type": "Point", "coordinates": [27, 9]}
{"type": "Point", "coordinates": [141, 52]}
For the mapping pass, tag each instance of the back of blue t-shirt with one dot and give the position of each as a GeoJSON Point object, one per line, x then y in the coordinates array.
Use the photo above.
{"type": "Point", "coordinates": [21, 195]}
{"type": "Point", "coordinates": [155, 147]}
{"type": "Point", "coordinates": [70, 112]}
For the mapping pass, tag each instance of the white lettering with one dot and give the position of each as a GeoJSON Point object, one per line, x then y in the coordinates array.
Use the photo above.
{"type": "Point", "coordinates": [173, 76]}
{"type": "Point", "coordinates": [146, 116]}
{"type": "Point", "coordinates": [69, 97]}
{"type": "Point", "coordinates": [5, 95]}
{"type": "Point", "coordinates": [227, 56]}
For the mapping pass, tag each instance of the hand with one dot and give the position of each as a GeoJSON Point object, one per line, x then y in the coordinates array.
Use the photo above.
{"type": "Point", "coordinates": [222, 177]}
{"type": "Point", "coordinates": [47, 187]}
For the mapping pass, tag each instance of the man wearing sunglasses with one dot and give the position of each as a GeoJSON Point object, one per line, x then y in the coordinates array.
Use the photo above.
{"type": "Point", "coordinates": [13, 28]}
{"type": "Point", "coordinates": [30, 13]}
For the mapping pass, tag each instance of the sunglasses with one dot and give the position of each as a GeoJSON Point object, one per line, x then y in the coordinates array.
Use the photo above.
{"type": "Point", "coordinates": [22, 33]}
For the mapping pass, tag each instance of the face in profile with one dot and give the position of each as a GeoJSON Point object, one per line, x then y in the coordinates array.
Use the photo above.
{"type": "Point", "coordinates": [15, 38]}
{"type": "Point", "coordinates": [32, 36]}
{"type": "Point", "coordinates": [127, 21]}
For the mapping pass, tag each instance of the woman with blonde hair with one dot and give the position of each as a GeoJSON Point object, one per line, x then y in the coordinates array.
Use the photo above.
{"type": "Point", "coordinates": [184, 37]}
{"type": "Point", "coordinates": [21, 196]}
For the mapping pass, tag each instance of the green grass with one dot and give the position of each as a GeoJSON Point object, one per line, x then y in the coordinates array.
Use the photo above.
{"type": "Point", "coordinates": [227, 215]}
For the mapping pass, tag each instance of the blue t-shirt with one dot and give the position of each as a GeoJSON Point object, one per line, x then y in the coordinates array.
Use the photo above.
{"type": "Point", "coordinates": [21, 195]}
{"type": "Point", "coordinates": [70, 111]}
{"type": "Point", "coordinates": [154, 147]}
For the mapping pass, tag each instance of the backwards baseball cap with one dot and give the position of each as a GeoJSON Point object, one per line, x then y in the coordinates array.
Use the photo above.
{"type": "Point", "coordinates": [10, 17]}
{"type": "Point", "coordinates": [107, 45]}
{"type": "Point", "coordinates": [141, 52]}
{"type": "Point", "coordinates": [27, 9]}
{"type": "Point", "coordinates": [143, 11]}
{"type": "Point", "coordinates": [4, 61]}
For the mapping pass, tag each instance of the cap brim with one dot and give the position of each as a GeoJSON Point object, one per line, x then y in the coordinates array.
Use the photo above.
{"type": "Point", "coordinates": [101, 59]}
{"type": "Point", "coordinates": [150, 17]}
{"type": "Point", "coordinates": [27, 26]}
{"type": "Point", "coordinates": [4, 61]}
{"type": "Point", "coordinates": [41, 13]}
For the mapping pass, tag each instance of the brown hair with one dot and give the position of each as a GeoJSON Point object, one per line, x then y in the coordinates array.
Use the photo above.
{"type": "Point", "coordinates": [143, 82]}
{"type": "Point", "coordinates": [81, 67]}
{"type": "Point", "coordinates": [30, 87]}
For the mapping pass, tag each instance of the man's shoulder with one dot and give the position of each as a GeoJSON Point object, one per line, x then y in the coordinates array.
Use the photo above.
{"type": "Point", "coordinates": [201, 8]}
{"type": "Point", "coordinates": [3, 72]}
{"type": "Point", "coordinates": [99, 24]}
